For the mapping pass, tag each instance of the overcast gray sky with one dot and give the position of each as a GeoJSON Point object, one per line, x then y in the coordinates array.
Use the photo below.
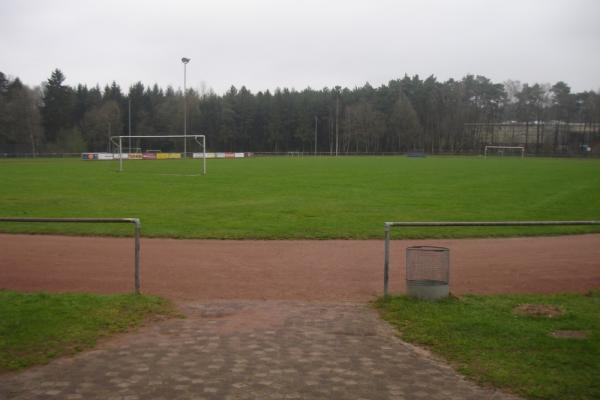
{"type": "Point", "coordinates": [268, 43]}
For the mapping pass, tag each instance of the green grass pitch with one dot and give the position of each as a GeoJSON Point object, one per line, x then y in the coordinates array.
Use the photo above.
{"type": "Point", "coordinates": [312, 198]}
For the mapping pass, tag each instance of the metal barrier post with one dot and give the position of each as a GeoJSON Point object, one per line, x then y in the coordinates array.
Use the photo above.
{"type": "Point", "coordinates": [138, 227]}
{"type": "Point", "coordinates": [386, 263]}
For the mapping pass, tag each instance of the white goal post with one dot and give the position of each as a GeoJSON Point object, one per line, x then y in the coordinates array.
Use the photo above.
{"type": "Point", "coordinates": [200, 139]}
{"type": "Point", "coordinates": [521, 148]}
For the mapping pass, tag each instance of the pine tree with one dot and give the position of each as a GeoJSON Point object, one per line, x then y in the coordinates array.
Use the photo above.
{"type": "Point", "coordinates": [58, 108]}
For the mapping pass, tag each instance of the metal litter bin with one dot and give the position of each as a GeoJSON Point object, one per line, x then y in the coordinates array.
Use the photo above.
{"type": "Point", "coordinates": [427, 272]}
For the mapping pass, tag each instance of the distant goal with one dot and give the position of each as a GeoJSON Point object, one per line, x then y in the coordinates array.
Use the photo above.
{"type": "Point", "coordinates": [502, 151]}
{"type": "Point", "coordinates": [153, 147]}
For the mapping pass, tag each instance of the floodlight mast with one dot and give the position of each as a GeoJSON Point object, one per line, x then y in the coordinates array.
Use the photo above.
{"type": "Point", "coordinates": [316, 127]}
{"type": "Point", "coordinates": [185, 61]}
{"type": "Point", "coordinates": [130, 122]}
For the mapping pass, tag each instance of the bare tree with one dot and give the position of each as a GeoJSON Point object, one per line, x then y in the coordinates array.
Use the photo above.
{"type": "Point", "coordinates": [101, 122]}
{"type": "Point", "coordinates": [363, 127]}
{"type": "Point", "coordinates": [23, 119]}
{"type": "Point", "coordinates": [404, 122]}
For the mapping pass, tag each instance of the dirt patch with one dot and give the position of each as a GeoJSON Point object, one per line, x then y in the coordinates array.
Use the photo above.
{"type": "Point", "coordinates": [569, 335]}
{"type": "Point", "coordinates": [239, 317]}
{"type": "Point", "coordinates": [538, 310]}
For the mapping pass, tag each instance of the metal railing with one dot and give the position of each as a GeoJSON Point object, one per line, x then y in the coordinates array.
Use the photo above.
{"type": "Point", "coordinates": [389, 225]}
{"type": "Point", "coordinates": [134, 221]}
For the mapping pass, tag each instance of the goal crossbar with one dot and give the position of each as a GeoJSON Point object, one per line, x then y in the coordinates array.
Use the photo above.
{"type": "Point", "coordinates": [200, 139]}
{"type": "Point", "coordinates": [485, 150]}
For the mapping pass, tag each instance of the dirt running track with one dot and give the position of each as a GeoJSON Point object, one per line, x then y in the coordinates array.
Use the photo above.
{"type": "Point", "coordinates": [332, 270]}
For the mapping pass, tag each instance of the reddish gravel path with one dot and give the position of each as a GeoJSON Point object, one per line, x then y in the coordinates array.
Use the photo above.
{"type": "Point", "coordinates": [331, 270]}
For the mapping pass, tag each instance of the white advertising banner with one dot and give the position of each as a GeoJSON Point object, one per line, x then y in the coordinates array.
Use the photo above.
{"type": "Point", "coordinates": [208, 155]}
{"type": "Point", "coordinates": [105, 156]}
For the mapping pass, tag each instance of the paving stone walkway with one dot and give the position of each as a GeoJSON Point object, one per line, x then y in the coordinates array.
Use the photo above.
{"type": "Point", "coordinates": [251, 350]}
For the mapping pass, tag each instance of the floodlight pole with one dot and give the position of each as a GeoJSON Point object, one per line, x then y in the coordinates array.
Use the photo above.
{"type": "Point", "coordinates": [185, 61]}
{"type": "Point", "coordinates": [337, 112]}
{"type": "Point", "coordinates": [316, 126]}
{"type": "Point", "coordinates": [129, 123]}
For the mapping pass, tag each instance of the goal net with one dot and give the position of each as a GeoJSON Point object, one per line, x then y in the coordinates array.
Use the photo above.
{"type": "Point", "coordinates": [160, 147]}
{"type": "Point", "coordinates": [501, 151]}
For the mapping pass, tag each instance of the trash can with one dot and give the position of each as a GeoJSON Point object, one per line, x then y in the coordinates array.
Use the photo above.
{"type": "Point", "coordinates": [427, 272]}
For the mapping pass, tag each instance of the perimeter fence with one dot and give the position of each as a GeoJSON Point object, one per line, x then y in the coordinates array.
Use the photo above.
{"type": "Point", "coordinates": [329, 154]}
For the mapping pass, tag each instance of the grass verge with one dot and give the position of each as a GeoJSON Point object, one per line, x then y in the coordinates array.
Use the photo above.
{"type": "Point", "coordinates": [486, 340]}
{"type": "Point", "coordinates": [37, 327]}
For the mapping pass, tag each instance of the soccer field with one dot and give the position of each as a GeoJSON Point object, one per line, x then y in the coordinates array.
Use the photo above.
{"type": "Point", "coordinates": [285, 197]}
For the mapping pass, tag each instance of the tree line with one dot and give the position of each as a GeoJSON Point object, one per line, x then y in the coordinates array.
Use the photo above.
{"type": "Point", "coordinates": [407, 114]}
